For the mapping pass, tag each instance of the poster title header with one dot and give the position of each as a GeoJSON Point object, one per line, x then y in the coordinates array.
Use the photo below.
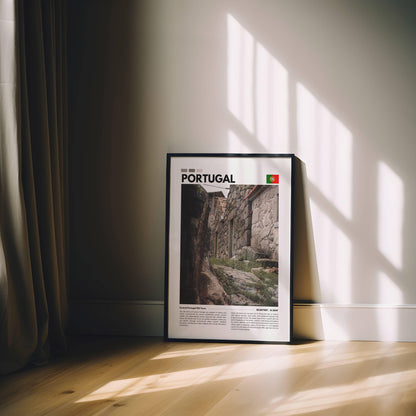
{"type": "Point", "coordinates": [207, 178]}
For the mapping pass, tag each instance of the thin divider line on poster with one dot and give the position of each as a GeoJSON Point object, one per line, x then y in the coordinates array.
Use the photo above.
{"type": "Point", "coordinates": [228, 247]}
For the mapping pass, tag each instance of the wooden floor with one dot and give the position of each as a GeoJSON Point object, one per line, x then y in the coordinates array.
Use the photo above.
{"type": "Point", "coordinates": [131, 376]}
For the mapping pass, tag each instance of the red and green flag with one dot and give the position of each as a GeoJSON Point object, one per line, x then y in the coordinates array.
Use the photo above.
{"type": "Point", "coordinates": [272, 179]}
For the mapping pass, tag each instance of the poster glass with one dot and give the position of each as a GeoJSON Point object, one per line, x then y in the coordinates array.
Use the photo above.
{"type": "Point", "coordinates": [228, 247]}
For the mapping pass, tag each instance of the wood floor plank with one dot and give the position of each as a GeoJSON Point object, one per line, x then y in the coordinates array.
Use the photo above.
{"type": "Point", "coordinates": [336, 384]}
{"type": "Point", "coordinates": [200, 398]}
{"type": "Point", "coordinates": [113, 394]}
{"type": "Point", "coordinates": [123, 377]}
{"type": "Point", "coordinates": [281, 374]}
{"type": "Point", "coordinates": [74, 378]}
{"type": "Point", "coordinates": [154, 394]}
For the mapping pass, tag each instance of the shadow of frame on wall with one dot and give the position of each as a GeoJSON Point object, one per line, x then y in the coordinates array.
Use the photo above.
{"type": "Point", "coordinates": [306, 286]}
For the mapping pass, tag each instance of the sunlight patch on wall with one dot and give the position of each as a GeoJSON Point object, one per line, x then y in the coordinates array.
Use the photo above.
{"type": "Point", "coordinates": [390, 209]}
{"type": "Point", "coordinates": [388, 291]}
{"type": "Point", "coordinates": [334, 254]}
{"type": "Point", "coordinates": [257, 91]}
{"type": "Point", "coordinates": [331, 328]}
{"type": "Point", "coordinates": [387, 324]}
{"type": "Point", "coordinates": [272, 102]}
{"type": "Point", "coordinates": [325, 145]}
{"type": "Point", "coordinates": [390, 214]}
{"type": "Point", "coordinates": [245, 167]}
{"type": "Point", "coordinates": [240, 73]}
{"type": "Point", "coordinates": [258, 99]}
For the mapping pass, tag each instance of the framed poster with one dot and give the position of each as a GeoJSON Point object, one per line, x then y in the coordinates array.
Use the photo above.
{"type": "Point", "coordinates": [228, 247]}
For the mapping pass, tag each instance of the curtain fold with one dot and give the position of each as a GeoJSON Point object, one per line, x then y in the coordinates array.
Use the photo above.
{"type": "Point", "coordinates": [34, 193]}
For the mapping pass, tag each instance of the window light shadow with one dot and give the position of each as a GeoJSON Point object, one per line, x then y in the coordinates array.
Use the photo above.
{"type": "Point", "coordinates": [326, 146]}
{"type": "Point", "coordinates": [273, 112]}
{"type": "Point", "coordinates": [240, 73]}
{"type": "Point", "coordinates": [257, 92]}
{"type": "Point", "coordinates": [390, 214]}
{"type": "Point", "coordinates": [389, 242]}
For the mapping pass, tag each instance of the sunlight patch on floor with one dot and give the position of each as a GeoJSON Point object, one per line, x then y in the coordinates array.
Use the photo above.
{"type": "Point", "coordinates": [195, 351]}
{"type": "Point", "coordinates": [324, 398]}
{"type": "Point", "coordinates": [280, 364]}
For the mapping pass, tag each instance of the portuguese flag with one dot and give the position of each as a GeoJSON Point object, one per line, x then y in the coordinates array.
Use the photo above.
{"type": "Point", "coordinates": [272, 179]}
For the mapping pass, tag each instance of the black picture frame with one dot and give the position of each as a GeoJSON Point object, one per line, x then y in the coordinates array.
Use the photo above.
{"type": "Point", "coordinates": [228, 249]}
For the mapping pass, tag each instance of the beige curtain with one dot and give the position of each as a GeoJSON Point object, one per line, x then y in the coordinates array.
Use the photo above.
{"type": "Point", "coordinates": [33, 189]}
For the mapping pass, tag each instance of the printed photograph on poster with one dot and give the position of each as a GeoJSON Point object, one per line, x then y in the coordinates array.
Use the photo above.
{"type": "Point", "coordinates": [228, 247]}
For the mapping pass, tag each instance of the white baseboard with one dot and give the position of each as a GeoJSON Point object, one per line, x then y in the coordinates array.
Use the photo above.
{"type": "Point", "coordinates": [310, 321]}
{"type": "Point", "coordinates": [354, 322]}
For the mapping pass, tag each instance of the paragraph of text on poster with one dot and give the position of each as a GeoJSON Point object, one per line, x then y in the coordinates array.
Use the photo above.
{"type": "Point", "coordinates": [260, 319]}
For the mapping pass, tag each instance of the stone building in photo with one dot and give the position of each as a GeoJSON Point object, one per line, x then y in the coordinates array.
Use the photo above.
{"type": "Point", "coordinates": [246, 221]}
{"type": "Point", "coordinates": [242, 225]}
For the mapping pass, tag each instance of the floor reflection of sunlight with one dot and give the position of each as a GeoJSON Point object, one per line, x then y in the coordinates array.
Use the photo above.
{"type": "Point", "coordinates": [197, 376]}
{"type": "Point", "coordinates": [352, 357]}
{"type": "Point", "coordinates": [181, 379]}
{"type": "Point", "coordinates": [282, 368]}
{"type": "Point", "coordinates": [323, 398]}
{"type": "Point", "coordinates": [195, 351]}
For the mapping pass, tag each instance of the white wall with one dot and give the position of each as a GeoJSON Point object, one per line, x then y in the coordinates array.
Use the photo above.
{"type": "Point", "coordinates": [331, 81]}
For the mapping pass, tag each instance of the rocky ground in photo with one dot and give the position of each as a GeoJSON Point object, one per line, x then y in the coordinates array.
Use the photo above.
{"type": "Point", "coordinates": [257, 287]}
